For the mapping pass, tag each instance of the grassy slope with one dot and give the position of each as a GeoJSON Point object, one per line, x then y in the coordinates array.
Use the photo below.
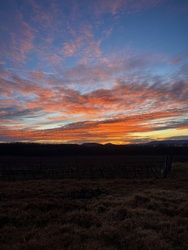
{"type": "Point", "coordinates": [117, 214]}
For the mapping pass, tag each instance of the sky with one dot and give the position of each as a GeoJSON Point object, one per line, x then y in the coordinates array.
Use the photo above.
{"type": "Point", "coordinates": [104, 71]}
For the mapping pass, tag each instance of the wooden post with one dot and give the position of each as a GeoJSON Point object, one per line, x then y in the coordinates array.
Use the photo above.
{"type": "Point", "coordinates": [168, 165]}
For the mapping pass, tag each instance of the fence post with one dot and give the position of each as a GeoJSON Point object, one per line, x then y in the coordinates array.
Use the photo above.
{"type": "Point", "coordinates": [168, 165]}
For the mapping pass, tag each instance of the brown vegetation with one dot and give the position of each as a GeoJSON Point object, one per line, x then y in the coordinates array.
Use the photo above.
{"type": "Point", "coordinates": [99, 214]}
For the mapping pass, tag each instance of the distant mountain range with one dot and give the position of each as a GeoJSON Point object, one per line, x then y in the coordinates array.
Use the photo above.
{"type": "Point", "coordinates": [168, 142]}
{"type": "Point", "coordinates": [152, 143]}
{"type": "Point", "coordinates": [170, 147]}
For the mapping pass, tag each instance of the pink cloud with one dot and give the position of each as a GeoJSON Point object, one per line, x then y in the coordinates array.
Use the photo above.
{"type": "Point", "coordinates": [93, 49]}
{"type": "Point", "coordinates": [21, 37]}
{"type": "Point", "coordinates": [118, 6]}
{"type": "Point", "coordinates": [69, 48]}
{"type": "Point", "coordinates": [83, 46]}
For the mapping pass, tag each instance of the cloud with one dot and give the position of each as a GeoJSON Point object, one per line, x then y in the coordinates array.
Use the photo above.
{"type": "Point", "coordinates": [121, 97]}
{"type": "Point", "coordinates": [16, 113]}
{"type": "Point", "coordinates": [116, 129]}
{"type": "Point", "coordinates": [48, 35]}
{"type": "Point", "coordinates": [119, 6]}
{"type": "Point", "coordinates": [180, 137]}
{"type": "Point", "coordinates": [60, 79]}
{"type": "Point", "coordinates": [84, 73]}
{"type": "Point", "coordinates": [69, 48]}
{"type": "Point", "coordinates": [20, 36]}
{"type": "Point", "coordinates": [51, 33]}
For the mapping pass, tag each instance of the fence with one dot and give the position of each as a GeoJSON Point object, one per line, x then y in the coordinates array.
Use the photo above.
{"type": "Point", "coordinates": [14, 168]}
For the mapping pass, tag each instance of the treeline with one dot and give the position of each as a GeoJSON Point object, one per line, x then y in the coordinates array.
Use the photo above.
{"type": "Point", "coordinates": [36, 149]}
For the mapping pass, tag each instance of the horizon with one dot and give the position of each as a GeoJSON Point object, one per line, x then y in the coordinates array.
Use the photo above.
{"type": "Point", "coordinates": [101, 144]}
{"type": "Point", "coordinates": [104, 71]}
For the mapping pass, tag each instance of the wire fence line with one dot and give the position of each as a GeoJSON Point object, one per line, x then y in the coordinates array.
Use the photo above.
{"type": "Point", "coordinates": [27, 168]}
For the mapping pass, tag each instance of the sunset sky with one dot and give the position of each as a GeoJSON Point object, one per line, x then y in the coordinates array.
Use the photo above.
{"type": "Point", "coordinates": [105, 71]}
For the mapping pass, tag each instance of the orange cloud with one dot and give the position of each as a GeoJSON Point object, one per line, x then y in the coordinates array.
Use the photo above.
{"type": "Point", "coordinates": [117, 129]}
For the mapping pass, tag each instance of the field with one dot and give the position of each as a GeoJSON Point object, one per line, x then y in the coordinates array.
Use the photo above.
{"type": "Point", "coordinates": [93, 214]}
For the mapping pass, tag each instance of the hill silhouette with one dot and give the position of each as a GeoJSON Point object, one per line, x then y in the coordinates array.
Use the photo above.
{"type": "Point", "coordinates": [37, 149]}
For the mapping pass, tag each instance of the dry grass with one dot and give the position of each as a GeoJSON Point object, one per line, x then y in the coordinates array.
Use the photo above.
{"type": "Point", "coordinates": [116, 214]}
